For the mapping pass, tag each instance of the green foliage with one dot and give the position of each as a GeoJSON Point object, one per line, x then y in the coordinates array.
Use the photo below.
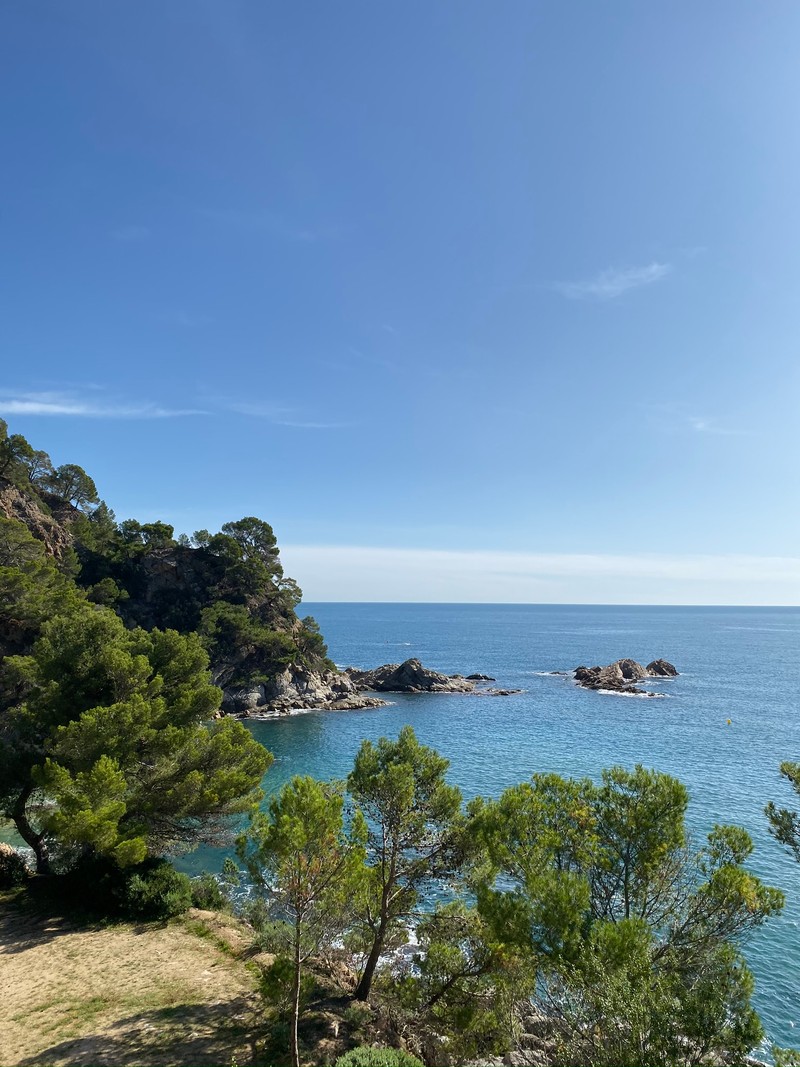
{"type": "Point", "coordinates": [414, 833]}
{"type": "Point", "coordinates": [155, 890]}
{"type": "Point", "coordinates": [111, 725]}
{"type": "Point", "coordinates": [309, 865]}
{"type": "Point", "coordinates": [464, 984]}
{"type": "Point", "coordinates": [32, 590]}
{"type": "Point", "coordinates": [630, 934]}
{"type": "Point", "coordinates": [247, 650]}
{"type": "Point", "coordinates": [367, 1056]}
{"type": "Point", "coordinates": [784, 823]}
{"type": "Point", "coordinates": [785, 1057]}
{"type": "Point", "coordinates": [277, 987]}
{"type": "Point", "coordinates": [208, 894]}
{"type": "Point", "coordinates": [13, 868]}
{"type": "Point", "coordinates": [73, 485]}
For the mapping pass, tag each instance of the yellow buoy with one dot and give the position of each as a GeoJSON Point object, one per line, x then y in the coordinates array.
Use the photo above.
{"type": "Point", "coordinates": [729, 722]}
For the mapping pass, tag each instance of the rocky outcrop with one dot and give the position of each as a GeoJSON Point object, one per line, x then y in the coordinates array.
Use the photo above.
{"type": "Point", "coordinates": [413, 677]}
{"type": "Point", "coordinates": [409, 677]}
{"type": "Point", "coordinates": [619, 677]}
{"type": "Point", "coordinates": [661, 668]}
{"type": "Point", "coordinates": [297, 689]}
{"type": "Point", "coordinates": [48, 521]}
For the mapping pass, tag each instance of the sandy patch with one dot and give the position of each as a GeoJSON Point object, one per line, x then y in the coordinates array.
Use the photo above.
{"type": "Point", "coordinates": [124, 994]}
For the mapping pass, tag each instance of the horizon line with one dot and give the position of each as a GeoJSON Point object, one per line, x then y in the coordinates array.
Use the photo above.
{"type": "Point", "coordinates": [552, 604]}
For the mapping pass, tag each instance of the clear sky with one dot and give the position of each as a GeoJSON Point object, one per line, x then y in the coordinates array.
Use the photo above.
{"type": "Point", "coordinates": [505, 293]}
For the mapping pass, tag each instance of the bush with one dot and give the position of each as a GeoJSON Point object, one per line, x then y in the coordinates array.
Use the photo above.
{"type": "Point", "coordinates": [271, 935]}
{"type": "Point", "coordinates": [377, 1057]}
{"type": "Point", "coordinates": [149, 890]}
{"type": "Point", "coordinates": [155, 890]}
{"type": "Point", "coordinates": [357, 1015]}
{"type": "Point", "coordinates": [13, 869]}
{"type": "Point", "coordinates": [208, 894]}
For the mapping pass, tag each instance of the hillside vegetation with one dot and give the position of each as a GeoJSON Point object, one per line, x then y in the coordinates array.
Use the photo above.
{"type": "Point", "coordinates": [228, 587]}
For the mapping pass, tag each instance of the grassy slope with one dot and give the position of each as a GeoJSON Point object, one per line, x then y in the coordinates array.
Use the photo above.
{"type": "Point", "coordinates": [121, 994]}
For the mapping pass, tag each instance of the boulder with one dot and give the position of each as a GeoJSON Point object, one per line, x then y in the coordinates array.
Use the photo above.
{"type": "Point", "coordinates": [409, 677]}
{"type": "Point", "coordinates": [297, 689]}
{"type": "Point", "coordinates": [617, 676]}
{"type": "Point", "coordinates": [661, 668]}
{"type": "Point", "coordinates": [413, 677]}
{"type": "Point", "coordinates": [620, 676]}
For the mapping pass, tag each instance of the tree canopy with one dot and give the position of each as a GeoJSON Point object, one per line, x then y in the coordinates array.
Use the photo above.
{"type": "Point", "coordinates": [110, 725]}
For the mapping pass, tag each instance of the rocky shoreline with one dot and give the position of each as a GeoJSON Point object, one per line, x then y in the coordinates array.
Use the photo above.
{"type": "Point", "coordinates": [297, 689]}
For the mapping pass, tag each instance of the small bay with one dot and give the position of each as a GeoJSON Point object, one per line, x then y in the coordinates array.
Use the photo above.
{"type": "Point", "coordinates": [735, 663]}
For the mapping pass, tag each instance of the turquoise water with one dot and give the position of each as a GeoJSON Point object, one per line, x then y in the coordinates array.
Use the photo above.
{"type": "Point", "coordinates": [735, 663]}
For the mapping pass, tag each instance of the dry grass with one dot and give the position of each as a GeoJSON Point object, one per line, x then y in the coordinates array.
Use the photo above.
{"type": "Point", "coordinates": [149, 995]}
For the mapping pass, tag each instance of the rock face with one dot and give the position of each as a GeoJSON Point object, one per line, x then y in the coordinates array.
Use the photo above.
{"type": "Point", "coordinates": [412, 677]}
{"type": "Point", "coordinates": [51, 528]}
{"type": "Point", "coordinates": [620, 677]}
{"type": "Point", "coordinates": [660, 668]}
{"type": "Point", "coordinates": [409, 677]}
{"type": "Point", "coordinates": [297, 689]}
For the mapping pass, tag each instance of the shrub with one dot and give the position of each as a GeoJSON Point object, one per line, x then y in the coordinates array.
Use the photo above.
{"type": "Point", "coordinates": [155, 890]}
{"type": "Point", "coordinates": [377, 1057]}
{"type": "Point", "coordinates": [13, 869]}
{"type": "Point", "coordinates": [208, 894]}
{"type": "Point", "coordinates": [271, 935]}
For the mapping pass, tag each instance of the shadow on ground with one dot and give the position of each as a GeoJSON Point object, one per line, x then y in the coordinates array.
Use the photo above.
{"type": "Point", "coordinates": [201, 1034]}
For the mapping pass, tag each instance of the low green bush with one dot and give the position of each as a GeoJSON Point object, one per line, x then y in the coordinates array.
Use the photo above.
{"type": "Point", "coordinates": [155, 890]}
{"type": "Point", "coordinates": [208, 894]}
{"type": "Point", "coordinates": [377, 1057]}
{"type": "Point", "coordinates": [13, 868]}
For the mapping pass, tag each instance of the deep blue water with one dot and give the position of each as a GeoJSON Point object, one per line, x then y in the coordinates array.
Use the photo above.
{"type": "Point", "coordinates": [735, 663]}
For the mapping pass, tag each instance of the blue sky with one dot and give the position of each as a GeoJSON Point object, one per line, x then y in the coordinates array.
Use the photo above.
{"type": "Point", "coordinates": [505, 293]}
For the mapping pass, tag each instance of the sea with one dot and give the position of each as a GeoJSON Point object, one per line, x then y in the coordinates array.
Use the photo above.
{"type": "Point", "coordinates": [723, 726]}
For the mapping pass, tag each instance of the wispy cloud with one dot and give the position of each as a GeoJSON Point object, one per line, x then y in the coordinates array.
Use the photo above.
{"type": "Point", "coordinates": [282, 416]}
{"type": "Point", "coordinates": [704, 425]}
{"type": "Point", "coordinates": [613, 282]}
{"type": "Point", "coordinates": [131, 234]}
{"type": "Point", "coordinates": [93, 407]}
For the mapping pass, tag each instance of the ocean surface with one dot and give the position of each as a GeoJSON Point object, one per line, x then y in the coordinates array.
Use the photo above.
{"type": "Point", "coordinates": [735, 663]}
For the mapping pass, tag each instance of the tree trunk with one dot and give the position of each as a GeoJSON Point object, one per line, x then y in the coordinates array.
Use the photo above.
{"type": "Point", "coordinates": [364, 986]}
{"type": "Point", "coordinates": [293, 1045]}
{"type": "Point", "coordinates": [28, 834]}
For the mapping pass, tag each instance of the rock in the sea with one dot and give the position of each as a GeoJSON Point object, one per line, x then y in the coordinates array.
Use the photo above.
{"type": "Point", "coordinates": [412, 677]}
{"type": "Point", "coordinates": [409, 677]}
{"type": "Point", "coordinates": [620, 676]}
{"type": "Point", "coordinates": [661, 668]}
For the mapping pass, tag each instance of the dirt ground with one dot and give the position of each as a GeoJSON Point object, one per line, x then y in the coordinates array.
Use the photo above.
{"type": "Point", "coordinates": [155, 994]}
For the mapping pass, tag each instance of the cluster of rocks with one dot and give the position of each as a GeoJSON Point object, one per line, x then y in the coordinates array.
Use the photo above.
{"type": "Point", "coordinates": [412, 677]}
{"type": "Point", "coordinates": [534, 1043]}
{"type": "Point", "coordinates": [619, 677]}
{"type": "Point", "coordinates": [297, 689]}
